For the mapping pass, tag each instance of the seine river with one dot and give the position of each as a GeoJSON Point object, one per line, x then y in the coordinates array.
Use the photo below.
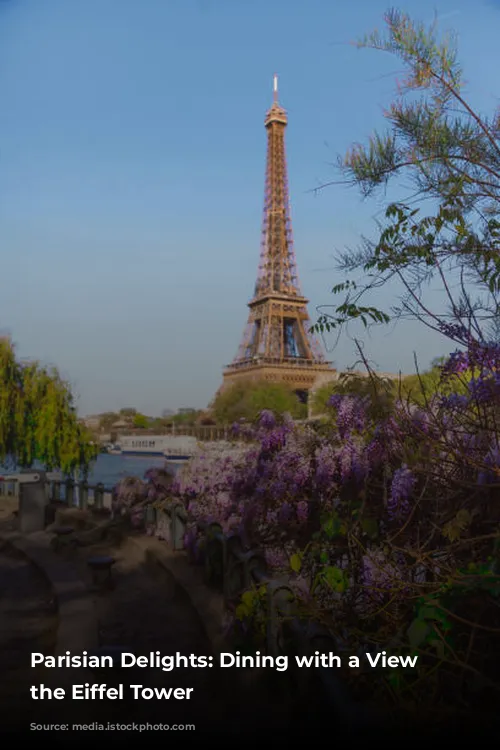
{"type": "Point", "coordinates": [110, 469]}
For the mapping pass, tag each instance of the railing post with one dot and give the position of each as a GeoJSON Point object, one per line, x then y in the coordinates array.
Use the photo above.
{"type": "Point", "coordinates": [55, 494]}
{"type": "Point", "coordinates": [69, 492]}
{"type": "Point", "coordinates": [276, 591]}
{"type": "Point", "coordinates": [33, 502]}
{"type": "Point", "coordinates": [215, 554]}
{"type": "Point", "coordinates": [99, 496]}
{"type": "Point", "coordinates": [178, 526]}
{"type": "Point", "coordinates": [107, 495]}
{"type": "Point", "coordinates": [84, 495]}
{"type": "Point", "coordinates": [150, 516]}
{"type": "Point", "coordinates": [164, 525]}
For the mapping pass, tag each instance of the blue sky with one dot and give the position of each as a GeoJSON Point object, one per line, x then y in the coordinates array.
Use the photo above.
{"type": "Point", "coordinates": [132, 153]}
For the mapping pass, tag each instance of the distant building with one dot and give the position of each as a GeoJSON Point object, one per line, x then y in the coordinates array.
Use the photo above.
{"type": "Point", "coordinates": [120, 424]}
{"type": "Point", "coordinates": [186, 410]}
{"type": "Point", "coordinates": [167, 413]}
{"type": "Point", "coordinates": [92, 422]}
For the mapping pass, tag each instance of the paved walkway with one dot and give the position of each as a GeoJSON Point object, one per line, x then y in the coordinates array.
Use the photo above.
{"type": "Point", "coordinates": [145, 611]}
{"type": "Point", "coordinates": [28, 622]}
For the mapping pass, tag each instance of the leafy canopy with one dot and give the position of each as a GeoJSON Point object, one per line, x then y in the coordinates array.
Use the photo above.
{"type": "Point", "coordinates": [38, 421]}
{"type": "Point", "coordinates": [379, 392]}
{"type": "Point", "coordinates": [448, 229]}
{"type": "Point", "coordinates": [248, 398]}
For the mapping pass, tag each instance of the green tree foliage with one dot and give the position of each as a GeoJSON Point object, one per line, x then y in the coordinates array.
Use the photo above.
{"type": "Point", "coordinates": [141, 421]}
{"type": "Point", "coordinates": [380, 391]}
{"type": "Point", "coordinates": [246, 399]}
{"type": "Point", "coordinates": [447, 231]}
{"type": "Point", "coordinates": [128, 412]}
{"type": "Point", "coordinates": [185, 418]}
{"type": "Point", "coordinates": [107, 420]}
{"type": "Point", "coordinates": [421, 387]}
{"type": "Point", "coordinates": [38, 421]}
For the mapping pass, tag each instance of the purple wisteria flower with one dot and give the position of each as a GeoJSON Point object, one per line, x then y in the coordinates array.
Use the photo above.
{"type": "Point", "coordinates": [485, 388]}
{"type": "Point", "coordinates": [285, 512]}
{"type": "Point", "coordinates": [267, 419]}
{"type": "Point", "coordinates": [351, 413]}
{"type": "Point", "coordinates": [456, 331]}
{"type": "Point", "coordinates": [351, 459]}
{"type": "Point", "coordinates": [129, 491]}
{"type": "Point", "coordinates": [403, 484]}
{"type": "Point", "coordinates": [377, 575]}
{"type": "Point", "coordinates": [454, 401]}
{"type": "Point", "coordinates": [382, 578]}
{"type": "Point", "coordinates": [490, 474]}
{"type": "Point", "coordinates": [276, 558]}
{"type": "Point", "coordinates": [302, 511]}
{"type": "Point", "coordinates": [326, 466]}
{"type": "Point", "coordinates": [478, 355]}
{"type": "Point", "coordinates": [375, 453]}
{"type": "Point", "coordinates": [458, 362]}
{"type": "Point", "coordinates": [274, 439]}
{"type": "Point", "coordinates": [272, 517]}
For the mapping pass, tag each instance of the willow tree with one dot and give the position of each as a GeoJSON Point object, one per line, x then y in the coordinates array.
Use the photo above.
{"type": "Point", "coordinates": [446, 229]}
{"type": "Point", "coordinates": [38, 420]}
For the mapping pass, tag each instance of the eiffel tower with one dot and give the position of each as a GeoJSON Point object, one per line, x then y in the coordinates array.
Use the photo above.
{"type": "Point", "coordinates": [277, 345]}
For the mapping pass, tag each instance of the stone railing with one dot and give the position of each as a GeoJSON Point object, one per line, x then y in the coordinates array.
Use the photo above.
{"type": "Point", "coordinates": [74, 494]}
{"type": "Point", "coordinates": [233, 569]}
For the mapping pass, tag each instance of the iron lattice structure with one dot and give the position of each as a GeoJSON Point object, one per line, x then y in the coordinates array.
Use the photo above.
{"type": "Point", "coordinates": [277, 344]}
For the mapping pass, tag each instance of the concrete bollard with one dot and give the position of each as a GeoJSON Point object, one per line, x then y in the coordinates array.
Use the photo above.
{"type": "Point", "coordinates": [33, 502]}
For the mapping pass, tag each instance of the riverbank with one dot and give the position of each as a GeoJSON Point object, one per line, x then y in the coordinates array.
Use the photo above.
{"type": "Point", "coordinates": [109, 469]}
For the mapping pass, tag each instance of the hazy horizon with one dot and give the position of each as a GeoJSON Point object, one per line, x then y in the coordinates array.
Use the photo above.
{"type": "Point", "coordinates": [132, 175]}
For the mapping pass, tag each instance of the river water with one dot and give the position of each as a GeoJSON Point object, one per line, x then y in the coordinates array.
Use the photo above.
{"type": "Point", "coordinates": [110, 469]}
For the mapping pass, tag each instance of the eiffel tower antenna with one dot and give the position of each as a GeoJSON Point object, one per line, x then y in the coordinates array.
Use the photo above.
{"type": "Point", "coordinates": [277, 344]}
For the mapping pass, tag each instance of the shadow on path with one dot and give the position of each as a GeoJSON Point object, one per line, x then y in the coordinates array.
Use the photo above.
{"type": "Point", "coordinates": [28, 622]}
{"type": "Point", "coordinates": [146, 611]}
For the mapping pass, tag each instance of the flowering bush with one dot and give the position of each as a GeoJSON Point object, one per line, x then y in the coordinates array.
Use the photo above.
{"type": "Point", "coordinates": [389, 528]}
{"type": "Point", "coordinates": [132, 496]}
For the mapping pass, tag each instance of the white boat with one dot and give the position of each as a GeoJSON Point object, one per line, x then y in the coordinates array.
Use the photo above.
{"type": "Point", "coordinates": [173, 448]}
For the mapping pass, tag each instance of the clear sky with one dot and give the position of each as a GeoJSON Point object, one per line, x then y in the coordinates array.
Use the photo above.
{"type": "Point", "coordinates": [132, 154]}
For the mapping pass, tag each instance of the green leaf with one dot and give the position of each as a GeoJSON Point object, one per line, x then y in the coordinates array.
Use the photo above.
{"type": "Point", "coordinates": [370, 527]}
{"type": "Point", "coordinates": [296, 562]}
{"type": "Point", "coordinates": [248, 598]}
{"type": "Point", "coordinates": [418, 632]}
{"type": "Point", "coordinates": [333, 527]}
{"type": "Point", "coordinates": [242, 611]}
{"type": "Point", "coordinates": [438, 644]}
{"type": "Point", "coordinates": [335, 578]}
